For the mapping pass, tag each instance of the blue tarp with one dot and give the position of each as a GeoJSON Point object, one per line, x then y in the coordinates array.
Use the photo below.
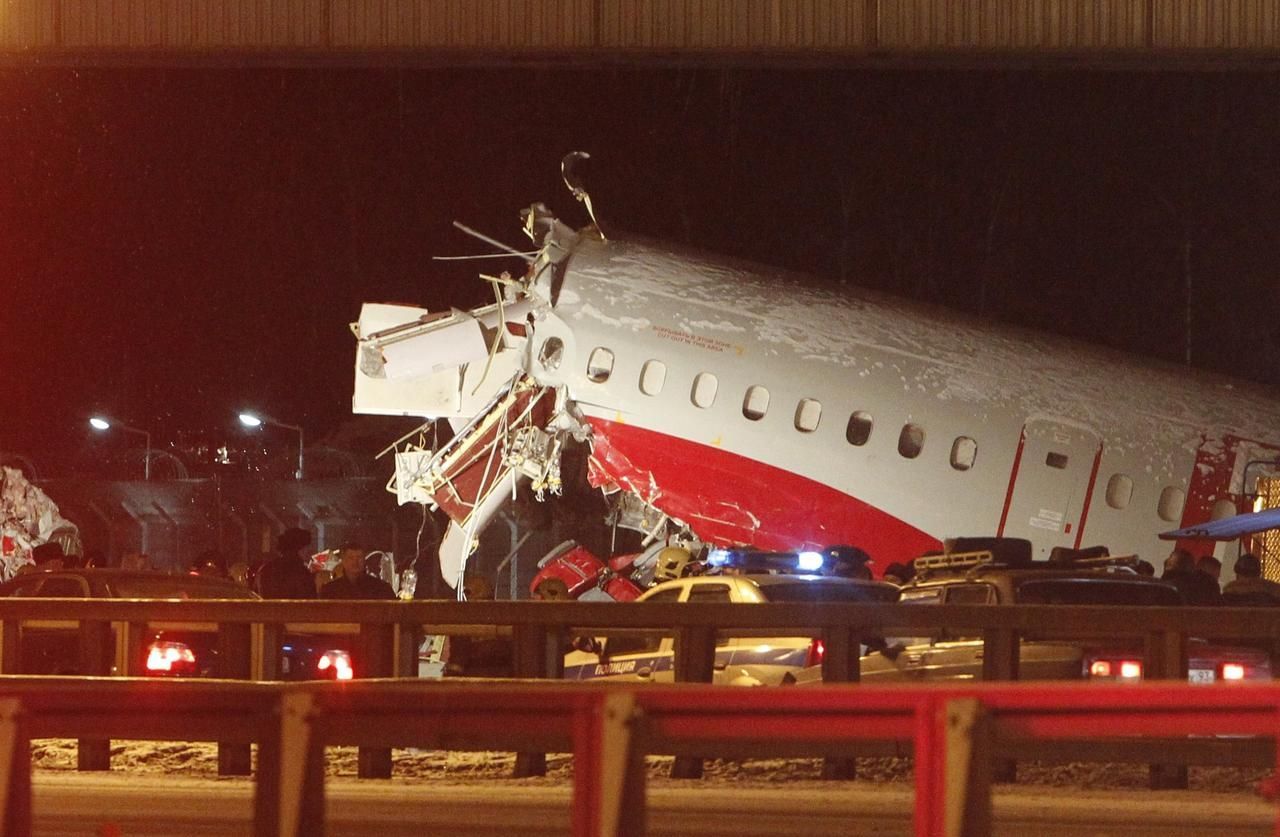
{"type": "Point", "coordinates": [1229, 528]}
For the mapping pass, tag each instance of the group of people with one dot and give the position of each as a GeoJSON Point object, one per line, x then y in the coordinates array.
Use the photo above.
{"type": "Point", "coordinates": [287, 575]}
{"type": "Point", "coordinates": [1199, 580]}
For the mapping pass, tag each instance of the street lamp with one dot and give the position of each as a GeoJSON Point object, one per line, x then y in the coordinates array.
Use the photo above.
{"type": "Point", "coordinates": [255, 420]}
{"type": "Point", "coordinates": [102, 424]}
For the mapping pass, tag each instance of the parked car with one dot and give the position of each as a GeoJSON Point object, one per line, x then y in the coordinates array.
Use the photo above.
{"type": "Point", "coordinates": [771, 577]}
{"type": "Point", "coordinates": [1006, 576]}
{"type": "Point", "coordinates": [53, 647]}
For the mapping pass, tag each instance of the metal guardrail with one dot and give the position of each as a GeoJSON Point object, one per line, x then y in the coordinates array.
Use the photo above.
{"type": "Point", "coordinates": [609, 729]}
{"type": "Point", "coordinates": [387, 636]}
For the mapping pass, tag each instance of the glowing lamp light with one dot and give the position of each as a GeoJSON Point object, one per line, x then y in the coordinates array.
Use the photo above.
{"type": "Point", "coordinates": [98, 423]}
{"type": "Point", "coordinates": [718, 557]}
{"type": "Point", "coordinates": [1130, 669]}
{"type": "Point", "coordinates": [1100, 668]}
{"type": "Point", "coordinates": [809, 561]}
{"type": "Point", "coordinates": [250, 420]}
{"type": "Point", "coordinates": [339, 661]}
{"type": "Point", "coordinates": [1232, 671]}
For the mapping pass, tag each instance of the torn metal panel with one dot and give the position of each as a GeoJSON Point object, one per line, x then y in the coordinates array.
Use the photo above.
{"type": "Point", "coordinates": [473, 476]}
{"type": "Point", "coordinates": [440, 365]}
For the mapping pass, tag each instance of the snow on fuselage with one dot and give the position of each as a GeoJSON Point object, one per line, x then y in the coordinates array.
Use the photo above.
{"type": "Point", "coordinates": [761, 409]}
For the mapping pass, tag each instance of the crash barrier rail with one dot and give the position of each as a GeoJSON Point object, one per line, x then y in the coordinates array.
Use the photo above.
{"type": "Point", "coordinates": [387, 636]}
{"type": "Point", "coordinates": [609, 728]}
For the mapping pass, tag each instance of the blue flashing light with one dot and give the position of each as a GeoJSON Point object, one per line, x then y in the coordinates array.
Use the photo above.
{"type": "Point", "coordinates": [809, 561]}
{"type": "Point", "coordinates": [719, 557]}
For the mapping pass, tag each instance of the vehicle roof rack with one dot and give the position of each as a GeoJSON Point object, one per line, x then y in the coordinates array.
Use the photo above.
{"type": "Point", "coordinates": [954, 560]}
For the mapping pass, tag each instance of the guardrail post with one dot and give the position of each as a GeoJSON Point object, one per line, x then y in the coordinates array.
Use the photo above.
{"type": "Point", "coordinates": [10, 646]}
{"type": "Point", "coordinates": [538, 652]}
{"type": "Point", "coordinates": [235, 654]}
{"type": "Point", "coordinates": [695, 663]}
{"type": "Point", "coordinates": [377, 658]}
{"type": "Point", "coordinates": [929, 817]}
{"type": "Point", "coordinates": [608, 768]}
{"type": "Point", "coordinates": [1165, 658]}
{"type": "Point", "coordinates": [268, 640]}
{"type": "Point", "coordinates": [841, 663]}
{"type": "Point", "coordinates": [967, 769]}
{"type": "Point", "coordinates": [1001, 658]}
{"type": "Point", "coordinates": [409, 639]}
{"type": "Point", "coordinates": [97, 652]}
{"type": "Point", "coordinates": [288, 798]}
{"type": "Point", "coordinates": [130, 637]}
{"type": "Point", "coordinates": [15, 770]}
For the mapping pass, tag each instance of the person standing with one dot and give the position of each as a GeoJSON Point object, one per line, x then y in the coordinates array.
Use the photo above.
{"type": "Point", "coordinates": [286, 576]}
{"type": "Point", "coordinates": [352, 582]}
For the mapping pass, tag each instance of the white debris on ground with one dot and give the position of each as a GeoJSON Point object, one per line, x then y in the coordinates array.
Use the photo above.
{"type": "Point", "coordinates": [200, 760]}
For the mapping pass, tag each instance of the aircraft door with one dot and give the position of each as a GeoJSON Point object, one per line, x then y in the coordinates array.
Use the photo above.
{"type": "Point", "coordinates": [1051, 484]}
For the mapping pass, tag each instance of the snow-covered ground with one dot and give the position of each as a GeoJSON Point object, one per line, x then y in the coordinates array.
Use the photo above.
{"type": "Point", "coordinates": [199, 760]}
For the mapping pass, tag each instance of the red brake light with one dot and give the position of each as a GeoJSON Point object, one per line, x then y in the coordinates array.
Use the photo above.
{"type": "Point", "coordinates": [169, 657]}
{"type": "Point", "coordinates": [1100, 668]}
{"type": "Point", "coordinates": [338, 661]}
{"type": "Point", "coordinates": [1130, 669]}
{"type": "Point", "coordinates": [817, 650]}
{"type": "Point", "coordinates": [1233, 671]}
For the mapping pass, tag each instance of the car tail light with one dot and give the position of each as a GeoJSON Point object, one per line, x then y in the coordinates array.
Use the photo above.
{"type": "Point", "coordinates": [336, 664]}
{"type": "Point", "coordinates": [165, 657]}
{"type": "Point", "coordinates": [817, 650]}
{"type": "Point", "coordinates": [1116, 669]}
{"type": "Point", "coordinates": [1234, 671]}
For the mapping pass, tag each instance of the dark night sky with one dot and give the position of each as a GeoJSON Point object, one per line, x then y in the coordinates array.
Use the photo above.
{"type": "Point", "coordinates": [177, 243]}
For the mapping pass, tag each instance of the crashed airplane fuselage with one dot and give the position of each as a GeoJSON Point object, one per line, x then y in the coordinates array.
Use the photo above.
{"type": "Point", "coordinates": [754, 407]}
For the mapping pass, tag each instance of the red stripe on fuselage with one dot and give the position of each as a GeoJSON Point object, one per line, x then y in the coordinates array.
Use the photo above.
{"type": "Point", "coordinates": [730, 499]}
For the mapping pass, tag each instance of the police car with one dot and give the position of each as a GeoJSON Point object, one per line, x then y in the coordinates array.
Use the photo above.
{"type": "Point", "coordinates": [743, 578]}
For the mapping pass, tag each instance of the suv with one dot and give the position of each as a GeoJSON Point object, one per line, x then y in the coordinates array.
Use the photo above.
{"type": "Point", "coordinates": [753, 661]}
{"type": "Point", "coordinates": [1006, 574]}
{"type": "Point", "coordinates": [54, 647]}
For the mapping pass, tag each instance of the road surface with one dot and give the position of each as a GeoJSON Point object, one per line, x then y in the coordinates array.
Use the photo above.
{"type": "Point", "coordinates": [69, 805]}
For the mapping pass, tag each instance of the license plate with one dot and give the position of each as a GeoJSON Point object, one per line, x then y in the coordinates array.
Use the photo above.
{"type": "Point", "coordinates": [1200, 675]}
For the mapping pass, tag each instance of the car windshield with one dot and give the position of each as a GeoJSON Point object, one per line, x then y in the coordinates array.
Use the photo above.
{"type": "Point", "coordinates": [801, 591]}
{"type": "Point", "coordinates": [176, 587]}
{"type": "Point", "coordinates": [1096, 591]}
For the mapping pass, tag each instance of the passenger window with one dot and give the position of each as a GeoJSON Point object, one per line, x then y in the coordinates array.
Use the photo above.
{"type": "Point", "coordinates": [701, 593]}
{"type": "Point", "coordinates": [1223, 508]}
{"type": "Point", "coordinates": [551, 354]}
{"type": "Point", "coordinates": [1056, 460]}
{"type": "Point", "coordinates": [29, 587]}
{"type": "Point", "coordinates": [640, 644]}
{"type": "Point", "coordinates": [1170, 506]}
{"type": "Point", "coordinates": [967, 594]}
{"type": "Point", "coordinates": [1119, 491]}
{"type": "Point", "coordinates": [63, 588]}
{"type": "Point", "coordinates": [652, 376]}
{"type": "Point", "coordinates": [704, 390]}
{"type": "Point", "coordinates": [859, 429]}
{"type": "Point", "coordinates": [970, 594]}
{"type": "Point", "coordinates": [600, 365]}
{"type": "Point", "coordinates": [963, 452]}
{"type": "Point", "coordinates": [756, 403]}
{"type": "Point", "coordinates": [808, 414]}
{"type": "Point", "coordinates": [911, 441]}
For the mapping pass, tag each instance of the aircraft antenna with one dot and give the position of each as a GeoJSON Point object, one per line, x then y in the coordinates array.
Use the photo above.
{"type": "Point", "coordinates": [492, 242]}
{"type": "Point", "coordinates": [575, 184]}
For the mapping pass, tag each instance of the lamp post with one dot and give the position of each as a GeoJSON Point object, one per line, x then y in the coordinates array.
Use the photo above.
{"type": "Point", "coordinates": [102, 424]}
{"type": "Point", "coordinates": [255, 420]}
